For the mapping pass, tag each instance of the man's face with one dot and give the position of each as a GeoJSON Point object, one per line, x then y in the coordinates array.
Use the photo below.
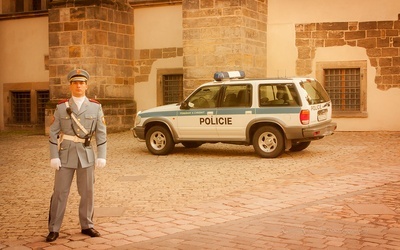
{"type": "Point", "coordinates": [78, 89]}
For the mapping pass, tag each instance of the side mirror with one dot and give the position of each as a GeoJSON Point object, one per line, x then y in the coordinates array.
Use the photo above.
{"type": "Point", "coordinates": [184, 105]}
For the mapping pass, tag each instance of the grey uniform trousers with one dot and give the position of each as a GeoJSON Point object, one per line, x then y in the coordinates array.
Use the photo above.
{"type": "Point", "coordinates": [62, 186]}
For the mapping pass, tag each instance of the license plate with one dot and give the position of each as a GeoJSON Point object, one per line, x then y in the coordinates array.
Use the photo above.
{"type": "Point", "coordinates": [322, 115]}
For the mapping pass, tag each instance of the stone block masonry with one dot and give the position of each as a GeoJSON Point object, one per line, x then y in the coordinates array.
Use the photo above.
{"type": "Point", "coordinates": [97, 36]}
{"type": "Point", "coordinates": [380, 39]}
{"type": "Point", "coordinates": [145, 58]}
{"type": "Point", "coordinates": [221, 36]}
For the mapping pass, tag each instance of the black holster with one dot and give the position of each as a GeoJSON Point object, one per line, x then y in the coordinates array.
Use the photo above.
{"type": "Point", "coordinates": [87, 141]}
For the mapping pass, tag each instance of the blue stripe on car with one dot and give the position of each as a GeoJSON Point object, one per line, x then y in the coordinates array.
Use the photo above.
{"type": "Point", "coordinates": [225, 111]}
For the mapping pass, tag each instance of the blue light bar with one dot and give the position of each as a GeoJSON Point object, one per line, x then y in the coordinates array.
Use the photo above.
{"type": "Point", "coordinates": [221, 75]}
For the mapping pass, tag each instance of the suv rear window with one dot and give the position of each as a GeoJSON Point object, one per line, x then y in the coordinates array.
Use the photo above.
{"type": "Point", "coordinates": [278, 95]}
{"type": "Point", "coordinates": [316, 93]}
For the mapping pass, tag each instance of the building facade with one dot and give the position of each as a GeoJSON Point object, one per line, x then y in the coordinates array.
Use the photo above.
{"type": "Point", "coordinates": [142, 54]}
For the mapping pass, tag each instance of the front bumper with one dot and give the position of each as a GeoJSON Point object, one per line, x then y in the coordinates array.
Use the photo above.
{"type": "Point", "coordinates": [138, 132]}
{"type": "Point", "coordinates": [320, 130]}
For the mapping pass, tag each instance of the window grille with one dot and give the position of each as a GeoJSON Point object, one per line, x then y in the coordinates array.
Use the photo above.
{"type": "Point", "coordinates": [36, 4]}
{"type": "Point", "coordinates": [172, 88]}
{"type": "Point", "coordinates": [42, 98]}
{"type": "Point", "coordinates": [343, 87]}
{"type": "Point", "coordinates": [19, 6]}
{"type": "Point", "coordinates": [22, 6]}
{"type": "Point", "coordinates": [21, 107]}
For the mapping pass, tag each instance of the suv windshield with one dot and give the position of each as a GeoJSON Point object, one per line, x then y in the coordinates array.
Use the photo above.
{"type": "Point", "coordinates": [316, 93]}
{"type": "Point", "coordinates": [205, 97]}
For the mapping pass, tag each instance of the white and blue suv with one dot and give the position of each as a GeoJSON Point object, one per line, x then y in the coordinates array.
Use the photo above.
{"type": "Point", "coordinates": [270, 114]}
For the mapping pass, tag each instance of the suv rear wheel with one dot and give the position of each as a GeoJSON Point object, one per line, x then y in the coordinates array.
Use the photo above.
{"type": "Point", "coordinates": [268, 142]}
{"type": "Point", "coordinates": [159, 141]}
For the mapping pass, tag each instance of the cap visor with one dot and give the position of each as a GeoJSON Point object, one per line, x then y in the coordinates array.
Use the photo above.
{"type": "Point", "coordinates": [78, 79]}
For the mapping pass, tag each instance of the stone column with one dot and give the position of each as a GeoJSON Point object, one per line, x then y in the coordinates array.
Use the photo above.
{"type": "Point", "coordinates": [222, 36]}
{"type": "Point", "coordinates": [96, 35]}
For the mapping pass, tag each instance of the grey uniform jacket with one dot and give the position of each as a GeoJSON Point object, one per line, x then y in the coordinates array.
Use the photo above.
{"type": "Point", "coordinates": [91, 117]}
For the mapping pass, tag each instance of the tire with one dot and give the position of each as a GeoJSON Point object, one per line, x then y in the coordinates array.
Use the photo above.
{"type": "Point", "coordinates": [159, 141]}
{"type": "Point", "coordinates": [300, 146]}
{"type": "Point", "coordinates": [268, 142]}
{"type": "Point", "coordinates": [191, 144]}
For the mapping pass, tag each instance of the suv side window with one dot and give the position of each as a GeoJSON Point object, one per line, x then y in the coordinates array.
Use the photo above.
{"type": "Point", "coordinates": [237, 96]}
{"type": "Point", "coordinates": [278, 95]}
{"type": "Point", "coordinates": [205, 97]}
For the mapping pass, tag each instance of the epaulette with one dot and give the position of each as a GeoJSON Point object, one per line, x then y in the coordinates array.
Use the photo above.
{"type": "Point", "coordinates": [62, 101]}
{"type": "Point", "coordinates": [95, 101]}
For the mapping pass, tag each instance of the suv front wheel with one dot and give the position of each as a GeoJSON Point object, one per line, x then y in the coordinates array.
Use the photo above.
{"type": "Point", "coordinates": [268, 142]}
{"type": "Point", "coordinates": [159, 140]}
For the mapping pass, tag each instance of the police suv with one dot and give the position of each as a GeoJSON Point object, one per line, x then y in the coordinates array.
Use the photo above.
{"type": "Point", "coordinates": [270, 114]}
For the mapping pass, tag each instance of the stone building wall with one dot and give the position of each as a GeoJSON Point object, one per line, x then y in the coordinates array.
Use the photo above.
{"type": "Point", "coordinates": [380, 39]}
{"type": "Point", "coordinates": [221, 36]}
{"type": "Point", "coordinates": [98, 37]}
{"type": "Point", "coordinates": [145, 58]}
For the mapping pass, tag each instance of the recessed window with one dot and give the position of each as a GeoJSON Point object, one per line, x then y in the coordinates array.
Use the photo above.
{"type": "Point", "coordinates": [22, 6]}
{"type": "Point", "coordinates": [345, 83]}
{"type": "Point", "coordinates": [19, 6]}
{"type": "Point", "coordinates": [42, 98]}
{"type": "Point", "coordinates": [21, 107]}
{"type": "Point", "coordinates": [172, 88]}
{"type": "Point", "coordinates": [343, 86]}
{"type": "Point", "coordinates": [169, 86]}
{"type": "Point", "coordinates": [37, 4]}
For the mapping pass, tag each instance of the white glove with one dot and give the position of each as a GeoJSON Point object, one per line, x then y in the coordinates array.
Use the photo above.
{"type": "Point", "coordinates": [100, 163]}
{"type": "Point", "coordinates": [55, 163]}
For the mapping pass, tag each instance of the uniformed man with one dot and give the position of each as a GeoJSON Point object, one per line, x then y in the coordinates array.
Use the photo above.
{"type": "Point", "coordinates": [76, 121]}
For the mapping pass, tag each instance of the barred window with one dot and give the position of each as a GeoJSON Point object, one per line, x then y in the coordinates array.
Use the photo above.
{"type": "Point", "coordinates": [172, 88]}
{"type": "Point", "coordinates": [343, 87]}
{"type": "Point", "coordinates": [42, 98]}
{"type": "Point", "coordinates": [37, 4]}
{"type": "Point", "coordinates": [19, 6]}
{"type": "Point", "coordinates": [21, 107]}
{"type": "Point", "coordinates": [22, 6]}
{"type": "Point", "coordinates": [346, 84]}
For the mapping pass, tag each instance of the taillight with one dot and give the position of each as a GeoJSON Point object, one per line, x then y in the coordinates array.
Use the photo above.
{"type": "Point", "coordinates": [305, 116]}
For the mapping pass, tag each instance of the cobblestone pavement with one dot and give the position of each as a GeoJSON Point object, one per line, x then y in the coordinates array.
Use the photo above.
{"type": "Point", "coordinates": [340, 193]}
